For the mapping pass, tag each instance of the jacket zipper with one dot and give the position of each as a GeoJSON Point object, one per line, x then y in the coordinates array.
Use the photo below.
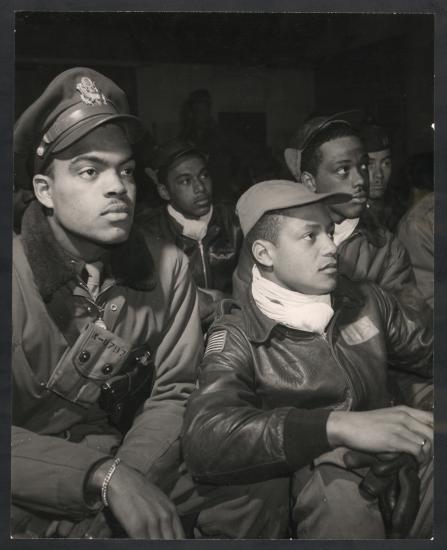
{"type": "Point", "coordinates": [202, 256]}
{"type": "Point", "coordinates": [327, 338]}
{"type": "Point", "coordinates": [100, 309]}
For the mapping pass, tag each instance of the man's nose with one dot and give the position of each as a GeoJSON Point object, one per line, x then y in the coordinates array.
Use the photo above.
{"type": "Point", "coordinates": [115, 185]}
{"type": "Point", "coordinates": [329, 247]}
{"type": "Point", "coordinates": [198, 186]}
{"type": "Point", "coordinates": [377, 173]}
{"type": "Point", "coordinates": [360, 178]}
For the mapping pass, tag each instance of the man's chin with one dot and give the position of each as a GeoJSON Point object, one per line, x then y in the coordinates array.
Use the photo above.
{"type": "Point", "coordinates": [118, 236]}
{"type": "Point", "coordinates": [376, 194]}
{"type": "Point", "coordinates": [350, 211]}
{"type": "Point", "coordinates": [202, 210]}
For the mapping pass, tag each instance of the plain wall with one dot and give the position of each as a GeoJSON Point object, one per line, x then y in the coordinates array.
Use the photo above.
{"type": "Point", "coordinates": [286, 96]}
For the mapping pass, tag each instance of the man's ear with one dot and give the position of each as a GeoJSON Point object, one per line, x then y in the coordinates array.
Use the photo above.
{"type": "Point", "coordinates": [262, 252]}
{"type": "Point", "coordinates": [43, 189]}
{"type": "Point", "coordinates": [163, 192]}
{"type": "Point", "coordinates": [308, 180]}
{"type": "Point", "coordinates": [291, 158]}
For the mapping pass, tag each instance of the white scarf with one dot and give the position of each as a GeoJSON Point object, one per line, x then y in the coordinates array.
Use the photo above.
{"type": "Point", "coordinates": [344, 229]}
{"type": "Point", "coordinates": [308, 312]}
{"type": "Point", "coordinates": [194, 229]}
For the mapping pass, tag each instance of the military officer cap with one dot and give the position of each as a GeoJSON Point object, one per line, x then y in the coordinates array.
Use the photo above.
{"type": "Point", "coordinates": [76, 102]}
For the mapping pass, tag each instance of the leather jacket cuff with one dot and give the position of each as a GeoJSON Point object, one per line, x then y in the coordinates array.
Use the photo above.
{"type": "Point", "coordinates": [305, 436]}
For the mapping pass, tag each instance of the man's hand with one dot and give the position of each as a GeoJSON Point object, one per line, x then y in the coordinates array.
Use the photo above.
{"type": "Point", "coordinates": [141, 508]}
{"type": "Point", "coordinates": [396, 429]}
{"type": "Point", "coordinates": [95, 527]}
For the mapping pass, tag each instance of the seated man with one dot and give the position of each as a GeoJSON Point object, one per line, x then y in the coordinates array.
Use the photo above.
{"type": "Point", "coordinates": [106, 331]}
{"type": "Point", "coordinates": [377, 145]}
{"type": "Point", "coordinates": [208, 233]}
{"type": "Point", "coordinates": [325, 155]}
{"type": "Point", "coordinates": [294, 383]}
{"type": "Point", "coordinates": [416, 233]}
{"type": "Point", "coordinates": [319, 156]}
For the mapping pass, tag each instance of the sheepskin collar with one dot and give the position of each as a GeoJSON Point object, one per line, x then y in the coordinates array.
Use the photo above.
{"type": "Point", "coordinates": [131, 262]}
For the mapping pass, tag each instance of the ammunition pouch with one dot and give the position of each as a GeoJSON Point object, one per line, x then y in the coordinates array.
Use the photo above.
{"type": "Point", "coordinates": [99, 368]}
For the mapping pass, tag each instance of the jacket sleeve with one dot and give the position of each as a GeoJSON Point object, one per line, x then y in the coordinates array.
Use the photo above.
{"type": "Point", "coordinates": [48, 473]}
{"type": "Point", "coordinates": [397, 272]}
{"type": "Point", "coordinates": [157, 428]}
{"type": "Point", "coordinates": [416, 234]}
{"type": "Point", "coordinates": [409, 331]}
{"type": "Point", "coordinates": [229, 436]}
{"type": "Point", "coordinates": [242, 273]}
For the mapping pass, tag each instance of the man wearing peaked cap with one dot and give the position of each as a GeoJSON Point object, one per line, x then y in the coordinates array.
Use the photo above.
{"type": "Point", "coordinates": [292, 391]}
{"type": "Point", "coordinates": [75, 102]}
{"type": "Point", "coordinates": [106, 329]}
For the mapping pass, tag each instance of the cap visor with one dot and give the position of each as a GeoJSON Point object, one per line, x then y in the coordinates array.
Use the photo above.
{"type": "Point", "coordinates": [326, 198]}
{"type": "Point", "coordinates": [134, 129]}
{"type": "Point", "coordinates": [334, 198]}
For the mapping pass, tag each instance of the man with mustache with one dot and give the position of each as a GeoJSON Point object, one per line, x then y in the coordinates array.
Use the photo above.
{"type": "Point", "coordinates": [106, 331]}
{"type": "Point", "coordinates": [207, 232]}
{"type": "Point", "coordinates": [292, 389]}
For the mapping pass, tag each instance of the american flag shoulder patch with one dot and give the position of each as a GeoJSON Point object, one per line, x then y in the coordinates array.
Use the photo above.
{"type": "Point", "coordinates": [216, 342]}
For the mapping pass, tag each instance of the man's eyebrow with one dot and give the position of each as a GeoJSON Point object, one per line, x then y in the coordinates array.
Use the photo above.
{"type": "Point", "coordinates": [343, 161]}
{"type": "Point", "coordinates": [91, 157]}
{"type": "Point", "coordinates": [311, 225]}
{"type": "Point", "coordinates": [182, 175]}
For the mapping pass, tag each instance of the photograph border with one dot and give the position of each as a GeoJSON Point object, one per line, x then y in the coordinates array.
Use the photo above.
{"type": "Point", "coordinates": [6, 169]}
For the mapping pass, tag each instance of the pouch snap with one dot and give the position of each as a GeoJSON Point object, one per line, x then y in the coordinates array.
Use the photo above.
{"type": "Point", "coordinates": [84, 356]}
{"type": "Point", "coordinates": [107, 368]}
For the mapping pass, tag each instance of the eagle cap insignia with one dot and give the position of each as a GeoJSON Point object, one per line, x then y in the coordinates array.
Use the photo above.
{"type": "Point", "coordinates": [90, 93]}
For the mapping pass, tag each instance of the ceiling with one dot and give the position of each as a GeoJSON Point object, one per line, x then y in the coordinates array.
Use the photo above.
{"type": "Point", "coordinates": [268, 39]}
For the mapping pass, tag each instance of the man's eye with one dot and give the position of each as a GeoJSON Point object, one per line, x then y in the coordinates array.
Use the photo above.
{"type": "Point", "coordinates": [128, 171]}
{"type": "Point", "coordinates": [309, 237]}
{"type": "Point", "coordinates": [184, 181]}
{"type": "Point", "coordinates": [331, 235]}
{"type": "Point", "coordinates": [88, 173]}
{"type": "Point", "coordinates": [343, 170]}
{"type": "Point", "coordinates": [204, 176]}
{"type": "Point", "coordinates": [364, 167]}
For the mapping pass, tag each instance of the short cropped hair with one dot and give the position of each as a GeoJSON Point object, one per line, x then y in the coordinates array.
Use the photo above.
{"type": "Point", "coordinates": [311, 157]}
{"type": "Point", "coordinates": [267, 228]}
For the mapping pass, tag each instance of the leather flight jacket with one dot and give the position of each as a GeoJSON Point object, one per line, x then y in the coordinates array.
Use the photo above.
{"type": "Point", "coordinates": [212, 261]}
{"type": "Point", "coordinates": [265, 391]}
